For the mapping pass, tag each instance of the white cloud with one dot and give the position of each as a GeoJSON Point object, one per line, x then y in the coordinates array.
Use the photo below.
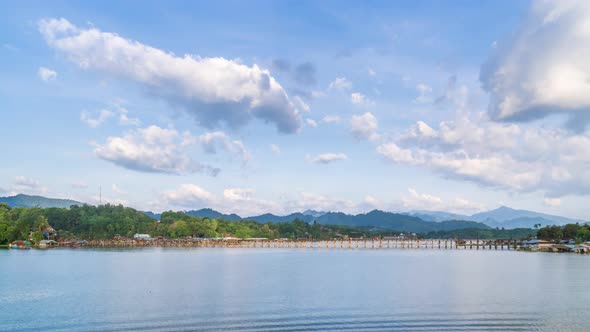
{"type": "Point", "coordinates": [108, 200]}
{"type": "Point", "coordinates": [424, 94]}
{"type": "Point", "coordinates": [218, 140]}
{"type": "Point", "coordinates": [275, 149]}
{"type": "Point", "coordinates": [318, 202]}
{"type": "Point", "coordinates": [124, 119]}
{"type": "Point", "coordinates": [327, 158]}
{"type": "Point", "coordinates": [188, 196]}
{"type": "Point", "coordinates": [340, 83]}
{"type": "Point", "coordinates": [311, 122]}
{"type": "Point", "coordinates": [364, 127]}
{"type": "Point", "coordinates": [150, 149]}
{"type": "Point", "coordinates": [301, 105]}
{"type": "Point", "coordinates": [542, 68]}
{"type": "Point", "coordinates": [498, 155]}
{"type": "Point", "coordinates": [552, 202]}
{"type": "Point", "coordinates": [214, 90]}
{"type": "Point", "coordinates": [358, 98]}
{"type": "Point", "coordinates": [46, 74]}
{"type": "Point", "coordinates": [331, 119]}
{"type": "Point", "coordinates": [243, 201]}
{"type": "Point", "coordinates": [23, 184]}
{"type": "Point", "coordinates": [95, 121]}
{"type": "Point", "coordinates": [26, 182]}
{"type": "Point", "coordinates": [421, 201]}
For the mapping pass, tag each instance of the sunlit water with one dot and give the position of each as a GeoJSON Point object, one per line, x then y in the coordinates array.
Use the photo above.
{"type": "Point", "coordinates": [204, 289]}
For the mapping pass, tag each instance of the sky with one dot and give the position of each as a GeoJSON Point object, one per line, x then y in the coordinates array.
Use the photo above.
{"type": "Point", "coordinates": [283, 106]}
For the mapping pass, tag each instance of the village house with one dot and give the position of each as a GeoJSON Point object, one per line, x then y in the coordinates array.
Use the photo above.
{"type": "Point", "coordinates": [47, 243]}
{"type": "Point", "coordinates": [20, 245]}
{"type": "Point", "coordinates": [49, 233]}
{"type": "Point", "coordinates": [536, 244]}
{"type": "Point", "coordinates": [138, 236]}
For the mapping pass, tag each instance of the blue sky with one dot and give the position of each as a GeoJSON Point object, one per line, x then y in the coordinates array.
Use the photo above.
{"type": "Point", "coordinates": [281, 106]}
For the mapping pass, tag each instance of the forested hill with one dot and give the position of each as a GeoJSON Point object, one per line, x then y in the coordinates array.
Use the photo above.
{"type": "Point", "coordinates": [22, 200]}
{"type": "Point", "coordinates": [378, 220]}
{"type": "Point", "coordinates": [395, 221]}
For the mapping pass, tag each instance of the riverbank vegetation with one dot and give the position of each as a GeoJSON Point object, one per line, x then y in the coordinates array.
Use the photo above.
{"type": "Point", "coordinates": [108, 221]}
{"type": "Point", "coordinates": [577, 232]}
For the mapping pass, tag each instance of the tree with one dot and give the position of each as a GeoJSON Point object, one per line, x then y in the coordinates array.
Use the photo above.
{"type": "Point", "coordinates": [583, 234]}
{"type": "Point", "coordinates": [37, 237]}
{"type": "Point", "coordinates": [570, 230]}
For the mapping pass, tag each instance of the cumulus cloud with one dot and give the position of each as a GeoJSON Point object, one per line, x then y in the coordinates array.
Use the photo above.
{"type": "Point", "coordinates": [95, 120]}
{"type": "Point", "coordinates": [420, 201]}
{"type": "Point", "coordinates": [244, 202]}
{"type": "Point", "coordinates": [360, 99]}
{"type": "Point", "coordinates": [46, 74]}
{"type": "Point", "coordinates": [215, 91]}
{"type": "Point", "coordinates": [364, 127]}
{"type": "Point", "coordinates": [218, 140]}
{"type": "Point", "coordinates": [311, 122]}
{"type": "Point", "coordinates": [340, 83]}
{"type": "Point", "coordinates": [319, 202]}
{"type": "Point", "coordinates": [498, 155]}
{"type": "Point", "coordinates": [188, 196]}
{"type": "Point", "coordinates": [327, 158]}
{"type": "Point", "coordinates": [542, 67]}
{"type": "Point", "coordinates": [331, 119]}
{"type": "Point", "coordinates": [151, 149]}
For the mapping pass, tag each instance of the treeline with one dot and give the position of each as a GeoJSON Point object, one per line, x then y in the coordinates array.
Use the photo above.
{"type": "Point", "coordinates": [106, 221]}
{"type": "Point", "coordinates": [580, 233]}
{"type": "Point", "coordinates": [473, 233]}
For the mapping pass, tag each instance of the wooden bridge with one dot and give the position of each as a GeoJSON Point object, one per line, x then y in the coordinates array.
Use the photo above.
{"type": "Point", "coordinates": [350, 243]}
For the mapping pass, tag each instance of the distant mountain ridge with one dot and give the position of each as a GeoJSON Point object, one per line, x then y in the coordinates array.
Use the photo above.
{"type": "Point", "coordinates": [376, 219]}
{"type": "Point", "coordinates": [411, 221]}
{"type": "Point", "coordinates": [507, 216]}
{"type": "Point", "coordinates": [503, 216]}
{"type": "Point", "coordinates": [22, 200]}
{"type": "Point", "coordinates": [395, 221]}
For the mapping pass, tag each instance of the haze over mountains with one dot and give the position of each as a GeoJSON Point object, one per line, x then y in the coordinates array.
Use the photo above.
{"type": "Point", "coordinates": [413, 221]}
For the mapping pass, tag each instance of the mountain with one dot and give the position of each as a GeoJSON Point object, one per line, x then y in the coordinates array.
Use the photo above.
{"type": "Point", "coordinates": [436, 215]}
{"type": "Point", "coordinates": [314, 213]}
{"type": "Point", "coordinates": [269, 217]}
{"type": "Point", "coordinates": [22, 200]}
{"type": "Point", "coordinates": [155, 216]}
{"type": "Point", "coordinates": [212, 214]}
{"type": "Point", "coordinates": [511, 218]}
{"type": "Point", "coordinates": [375, 219]}
{"type": "Point", "coordinates": [395, 221]}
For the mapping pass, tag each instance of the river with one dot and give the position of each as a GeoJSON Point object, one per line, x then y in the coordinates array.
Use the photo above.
{"type": "Point", "coordinates": [260, 289]}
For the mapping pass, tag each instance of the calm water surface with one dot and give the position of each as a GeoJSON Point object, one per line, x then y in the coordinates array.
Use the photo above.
{"type": "Point", "coordinates": [203, 289]}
